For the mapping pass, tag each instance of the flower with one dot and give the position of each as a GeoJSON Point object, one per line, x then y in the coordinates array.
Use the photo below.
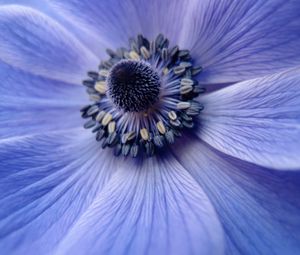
{"type": "Point", "coordinates": [229, 186]}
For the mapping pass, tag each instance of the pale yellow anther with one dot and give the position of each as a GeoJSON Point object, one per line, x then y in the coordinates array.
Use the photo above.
{"type": "Point", "coordinates": [172, 115]}
{"type": "Point", "coordinates": [100, 86]}
{"type": "Point", "coordinates": [112, 127]}
{"type": "Point", "coordinates": [183, 105]}
{"type": "Point", "coordinates": [185, 89]}
{"type": "Point", "coordinates": [145, 52]}
{"type": "Point", "coordinates": [144, 134]}
{"type": "Point", "coordinates": [133, 55]}
{"type": "Point", "coordinates": [106, 119]}
{"type": "Point", "coordinates": [100, 116]}
{"type": "Point", "coordinates": [94, 97]}
{"type": "Point", "coordinates": [165, 71]}
{"type": "Point", "coordinates": [103, 72]}
{"type": "Point", "coordinates": [161, 127]}
{"type": "Point", "coordinates": [186, 81]}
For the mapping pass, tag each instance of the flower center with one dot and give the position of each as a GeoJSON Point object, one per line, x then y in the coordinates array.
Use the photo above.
{"type": "Point", "coordinates": [133, 85]}
{"type": "Point", "coordinates": [142, 97]}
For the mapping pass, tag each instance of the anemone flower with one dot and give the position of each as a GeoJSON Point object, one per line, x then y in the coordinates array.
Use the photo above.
{"type": "Point", "coordinates": [150, 127]}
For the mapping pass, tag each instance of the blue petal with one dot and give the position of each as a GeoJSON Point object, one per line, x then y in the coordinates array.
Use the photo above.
{"type": "Point", "coordinates": [152, 208]}
{"type": "Point", "coordinates": [46, 8]}
{"type": "Point", "coordinates": [239, 40]}
{"type": "Point", "coordinates": [259, 208]}
{"type": "Point", "coordinates": [36, 43]}
{"type": "Point", "coordinates": [256, 120]}
{"type": "Point", "coordinates": [36, 4]}
{"type": "Point", "coordinates": [113, 22]}
{"type": "Point", "coordinates": [30, 104]}
{"type": "Point", "coordinates": [46, 183]}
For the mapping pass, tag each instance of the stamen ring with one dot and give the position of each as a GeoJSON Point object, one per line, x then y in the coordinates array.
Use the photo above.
{"type": "Point", "coordinates": [143, 96]}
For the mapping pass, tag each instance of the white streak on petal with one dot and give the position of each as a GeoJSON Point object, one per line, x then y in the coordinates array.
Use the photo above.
{"type": "Point", "coordinates": [36, 43]}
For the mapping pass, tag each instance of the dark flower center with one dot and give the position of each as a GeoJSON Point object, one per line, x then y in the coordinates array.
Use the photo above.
{"type": "Point", "coordinates": [142, 96]}
{"type": "Point", "coordinates": [133, 85]}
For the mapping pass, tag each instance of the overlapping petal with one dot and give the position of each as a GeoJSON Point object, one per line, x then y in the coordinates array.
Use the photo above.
{"type": "Point", "coordinates": [35, 43]}
{"type": "Point", "coordinates": [36, 4]}
{"type": "Point", "coordinates": [113, 22]}
{"type": "Point", "coordinates": [152, 208]}
{"type": "Point", "coordinates": [52, 191]}
{"type": "Point", "coordinates": [46, 182]}
{"type": "Point", "coordinates": [30, 104]}
{"type": "Point", "coordinates": [239, 40]}
{"type": "Point", "coordinates": [256, 120]}
{"type": "Point", "coordinates": [258, 207]}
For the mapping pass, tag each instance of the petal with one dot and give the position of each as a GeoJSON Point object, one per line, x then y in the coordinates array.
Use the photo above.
{"type": "Point", "coordinates": [113, 22]}
{"type": "Point", "coordinates": [239, 40]}
{"type": "Point", "coordinates": [36, 4]}
{"type": "Point", "coordinates": [150, 208]}
{"type": "Point", "coordinates": [44, 7]}
{"type": "Point", "coordinates": [256, 120]}
{"type": "Point", "coordinates": [46, 183]}
{"type": "Point", "coordinates": [30, 104]}
{"type": "Point", "coordinates": [259, 208]}
{"type": "Point", "coordinates": [36, 43]}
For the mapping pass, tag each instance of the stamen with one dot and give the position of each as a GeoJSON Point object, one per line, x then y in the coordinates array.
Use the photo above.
{"type": "Point", "coordinates": [100, 87]}
{"type": "Point", "coordinates": [183, 105]}
{"type": "Point", "coordinates": [172, 115]}
{"type": "Point", "coordinates": [144, 134]}
{"type": "Point", "coordinates": [106, 119]}
{"type": "Point", "coordinates": [112, 127]}
{"type": "Point", "coordinates": [143, 96]}
{"type": "Point", "coordinates": [161, 127]}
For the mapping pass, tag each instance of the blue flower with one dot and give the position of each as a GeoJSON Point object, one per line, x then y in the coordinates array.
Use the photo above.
{"type": "Point", "coordinates": [230, 185]}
